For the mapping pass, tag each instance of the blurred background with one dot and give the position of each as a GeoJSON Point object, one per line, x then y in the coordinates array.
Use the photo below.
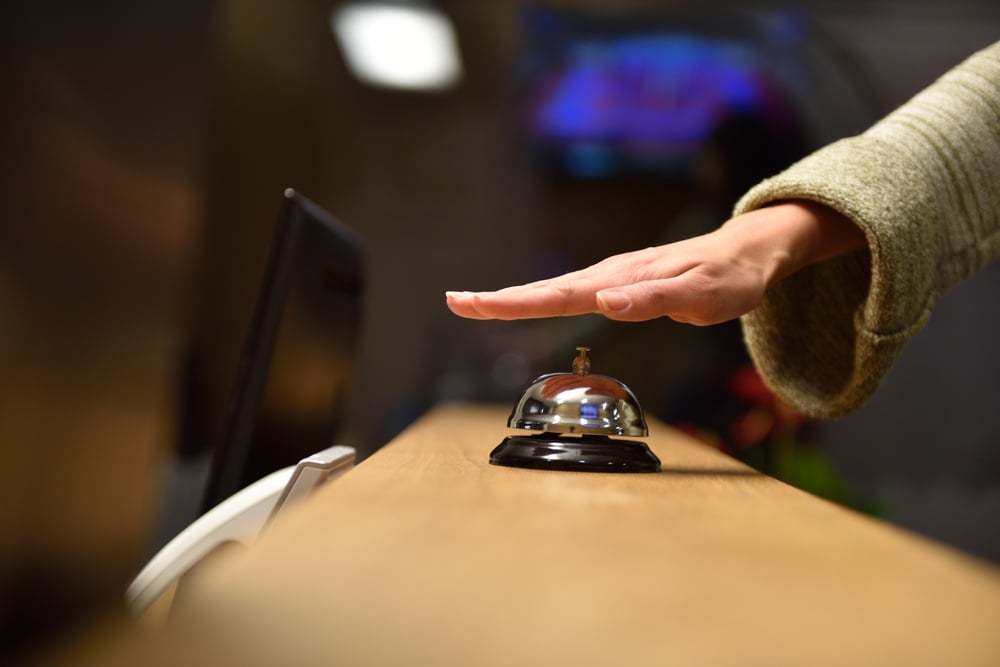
{"type": "Point", "coordinates": [145, 147]}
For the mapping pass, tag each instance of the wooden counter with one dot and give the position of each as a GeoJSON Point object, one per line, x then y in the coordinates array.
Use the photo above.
{"type": "Point", "coordinates": [427, 555]}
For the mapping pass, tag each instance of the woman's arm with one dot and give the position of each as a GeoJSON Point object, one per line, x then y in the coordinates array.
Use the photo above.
{"type": "Point", "coordinates": [704, 280]}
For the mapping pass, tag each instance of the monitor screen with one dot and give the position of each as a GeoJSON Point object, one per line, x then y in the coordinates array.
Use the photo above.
{"type": "Point", "coordinates": [297, 361]}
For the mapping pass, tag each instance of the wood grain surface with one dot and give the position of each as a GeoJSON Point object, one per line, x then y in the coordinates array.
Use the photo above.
{"type": "Point", "coordinates": [427, 555]}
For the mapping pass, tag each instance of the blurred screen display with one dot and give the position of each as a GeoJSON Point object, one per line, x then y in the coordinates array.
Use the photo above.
{"type": "Point", "coordinates": [599, 98]}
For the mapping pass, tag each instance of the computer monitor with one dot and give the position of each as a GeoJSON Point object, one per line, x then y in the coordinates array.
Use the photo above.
{"type": "Point", "coordinates": [298, 356]}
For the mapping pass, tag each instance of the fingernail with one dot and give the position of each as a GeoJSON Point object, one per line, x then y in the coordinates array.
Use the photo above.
{"type": "Point", "coordinates": [612, 300]}
{"type": "Point", "coordinates": [458, 295]}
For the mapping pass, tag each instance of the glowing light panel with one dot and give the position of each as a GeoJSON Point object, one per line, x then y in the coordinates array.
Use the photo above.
{"type": "Point", "coordinates": [398, 46]}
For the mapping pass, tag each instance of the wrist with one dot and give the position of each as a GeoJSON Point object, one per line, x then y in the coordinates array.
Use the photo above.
{"type": "Point", "coordinates": [788, 236]}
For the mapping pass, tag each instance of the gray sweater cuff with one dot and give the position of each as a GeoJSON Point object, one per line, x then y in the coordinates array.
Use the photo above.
{"type": "Point", "coordinates": [824, 338]}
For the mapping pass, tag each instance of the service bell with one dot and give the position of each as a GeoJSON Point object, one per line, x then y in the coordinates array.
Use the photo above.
{"type": "Point", "coordinates": [577, 414]}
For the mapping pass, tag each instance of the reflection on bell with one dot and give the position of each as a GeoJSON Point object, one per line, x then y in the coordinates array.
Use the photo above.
{"type": "Point", "coordinates": [577, 413]}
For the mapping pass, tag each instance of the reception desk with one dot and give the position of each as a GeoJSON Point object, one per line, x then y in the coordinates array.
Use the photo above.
{"type": "Point", "coordinates": [427, 555]}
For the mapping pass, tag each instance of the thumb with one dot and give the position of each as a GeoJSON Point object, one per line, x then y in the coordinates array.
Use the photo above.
{"type": "Point", "coordinates": [651, 299]}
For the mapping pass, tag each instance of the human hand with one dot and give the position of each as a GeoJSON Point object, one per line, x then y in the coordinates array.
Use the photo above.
{"type": "Point", "coordinates": [697, 280]}
{"type": "Point", "coordinates": [703, 280]}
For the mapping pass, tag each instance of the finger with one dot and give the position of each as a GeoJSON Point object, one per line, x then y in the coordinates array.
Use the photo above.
{"type": "Point", "coordinates": [672, 297]}
{"type": "Point", "coordinates": [548, 299]}
{"type": "Point", "coordinates": [461, 303]}
{"type": "Point", "coordinates": [570, 294]}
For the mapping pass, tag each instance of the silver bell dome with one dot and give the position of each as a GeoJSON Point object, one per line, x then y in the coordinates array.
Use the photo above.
{"type": "Point", "coordinates": [579, 403]}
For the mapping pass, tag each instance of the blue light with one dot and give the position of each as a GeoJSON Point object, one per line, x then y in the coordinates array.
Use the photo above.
{"type": "Point", "coordinates": [647, 101]}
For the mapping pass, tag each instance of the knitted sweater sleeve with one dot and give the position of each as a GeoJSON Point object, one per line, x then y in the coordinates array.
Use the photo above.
{"type": "Point", "coordinates": [924, 186]}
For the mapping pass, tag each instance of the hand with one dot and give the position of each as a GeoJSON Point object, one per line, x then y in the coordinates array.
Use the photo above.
{"type": "Point", "coordinates": [698, 280]}
{"type": "Point", "coordinates": [703, 280]}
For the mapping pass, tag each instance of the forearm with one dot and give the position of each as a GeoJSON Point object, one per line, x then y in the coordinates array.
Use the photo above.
{"type": "Point", "coordinates": [922, 186]}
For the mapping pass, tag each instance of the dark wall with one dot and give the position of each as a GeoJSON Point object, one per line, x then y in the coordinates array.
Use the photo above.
{"type": "Point", "coordinates": [101, 165]}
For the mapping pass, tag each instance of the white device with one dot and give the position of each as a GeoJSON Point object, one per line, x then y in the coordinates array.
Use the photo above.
{"type": "Point", "coordinates": [239, 518]}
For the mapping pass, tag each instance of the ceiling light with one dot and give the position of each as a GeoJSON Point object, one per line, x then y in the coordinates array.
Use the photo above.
{"type": "Point", "coordinates": [398, 45]}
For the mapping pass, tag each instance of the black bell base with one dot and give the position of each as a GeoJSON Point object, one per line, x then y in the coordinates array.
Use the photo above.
{"type": "Point", "coordinates": [586, 453]}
